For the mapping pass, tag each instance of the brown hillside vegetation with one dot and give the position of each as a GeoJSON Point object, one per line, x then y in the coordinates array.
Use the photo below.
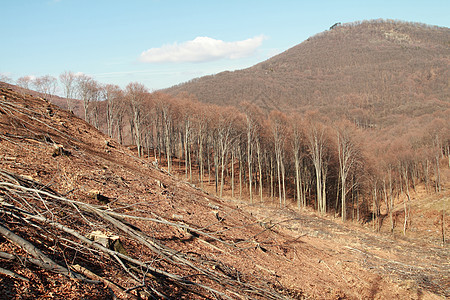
{"type": "Point", "coordinates": [61, 180]}
{"type": "Point", "coordinates": [384, 68]}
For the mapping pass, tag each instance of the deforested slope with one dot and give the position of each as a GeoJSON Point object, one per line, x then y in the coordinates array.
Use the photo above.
{"type": "Point", "coordinates": [81, 216]}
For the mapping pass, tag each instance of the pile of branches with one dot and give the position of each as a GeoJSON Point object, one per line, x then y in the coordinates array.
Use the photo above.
{"type": "Point", "coordinates": [52, 232]}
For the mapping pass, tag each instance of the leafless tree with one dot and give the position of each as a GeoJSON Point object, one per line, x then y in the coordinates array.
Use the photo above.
{"type": "Point", "coordinates": [225, 136]}
{"type": "Point", "coordinates": [25, 82]}
{"type": "Point", "coordinates": [297, 144]}
{"type": "Point", "coordinates": [316, 144]}
{"type": "Point", "coordinates": [278, 126]}
{"type": "Point", "coordinates": [136, 94]}
{"type": "Point", "coordinates": [86, 89]}
{"type": "Point", "coordinates": [348, 156]}
{"type": "Point", "coordinates": [113, 96]}
{"type": "Point", "coordinates": [46, 85]}
{"type": "Point", "coordinates": [5, 78]}
{"type": "Point", "coordinates": [68, 81]}
{"type": "Point", "coordinates": [251, 131]}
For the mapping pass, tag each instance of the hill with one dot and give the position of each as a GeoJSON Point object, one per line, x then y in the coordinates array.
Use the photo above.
{"type": "Point", "coordinates": [383, 68]}
{"type": "Point", "coordinates": [81, 216]}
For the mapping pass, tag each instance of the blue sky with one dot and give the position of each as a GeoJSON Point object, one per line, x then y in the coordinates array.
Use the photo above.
{"type": "Point", "coordinates": [163, 43]}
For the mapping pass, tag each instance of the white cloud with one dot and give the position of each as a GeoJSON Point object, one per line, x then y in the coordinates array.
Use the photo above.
{"type": "Point", "coordinates": [202, 49]}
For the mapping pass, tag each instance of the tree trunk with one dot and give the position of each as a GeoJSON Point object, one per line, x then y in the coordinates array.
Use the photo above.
{"type": "Point", "coordinates": [318, 186]}
{"type": "Point", "coordinates": [200, 157]}
{"type": "Point", "coordinates": [283, 171]}
{"type": "Point", "coordinates": [298, 179]}
{"type": "Point", "coordinates": [271, 178]}
{"type": "Point", "coordinates": [223, 161]}
{"type": "Point", "coordinates": [47, 263]}
{"type": "Point", "coordinates": [216, 168]}
{"type": "Point", "coordinates": [258, 151]}
{"type": "Point", "coordinates": [249, 161]}
{"type": "Point", "coordinates": [324, 193]}
{"type": "Point", "coordinates": [405, 204]}
{"type": "Point", "coordinates": [438, 175]}
{"type": "Point", "coordinates": [186, 146]}
{"type": "Point", "coordinates": [279, 177]}
{"type": "Point", "coordinates": [232, 172]}
{"type": "Point", "coordinates": [241, 167]}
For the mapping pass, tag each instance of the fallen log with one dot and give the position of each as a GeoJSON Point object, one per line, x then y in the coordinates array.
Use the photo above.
{"type": "Point", "coordinates": [42, 260]}
{"type": "Point", "coordinates": [13, 275]}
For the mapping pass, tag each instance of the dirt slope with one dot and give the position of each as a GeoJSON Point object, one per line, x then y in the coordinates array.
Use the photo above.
{"type": "Point", "coordinates": [177, 241]}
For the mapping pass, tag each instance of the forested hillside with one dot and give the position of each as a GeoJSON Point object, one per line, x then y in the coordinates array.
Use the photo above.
{"type": "Point", "coordinates": [370, 69]}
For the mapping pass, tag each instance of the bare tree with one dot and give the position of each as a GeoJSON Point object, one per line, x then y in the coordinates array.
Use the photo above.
{"type": "Point", "coordinates": [251, 128]}
{"type": "Point", "coordinates": [200, 129]}
{"type": "Point", "coordinates": [25, 82]}
{"type": "Point", "coordinates": [113, 96]}
{"type": "Point", "coordinates": [348, 155]}
{"type": "Point", "coordinates": [316, 144]}
{"type": "Point", "coordinates": [278, 126]}
{"type": "Point", "coordinates": [225, 137]}
{"type": "Point", "coordinates": [136, 94]}
{"type": "Point", "coordinates": [297, 141]}
{"type": "Point", "coordinates": [98, 94]}
{"type": "Point", "coordinates": [68, 80]}
{"type": "Point", "coordinates": [86, 88]}
{"type": "Point", "coordinates": [5, 78]}
{"type": "Point", "coordinates": [46, 85]}
{"type": "Point", "coordinates": [253, 118]}
{"type": "Point", "coordinates": [406, 204]}
{"type": "Point", "coordinates": [165, 110]}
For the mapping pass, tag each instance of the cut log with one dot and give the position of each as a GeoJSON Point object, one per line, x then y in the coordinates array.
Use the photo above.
{"type": "Point", "coordinates": [96, 195]}
{"type": "Point", "coordinates": [105, 239]}
{"type": "Point", "coordinates": [60, 151]}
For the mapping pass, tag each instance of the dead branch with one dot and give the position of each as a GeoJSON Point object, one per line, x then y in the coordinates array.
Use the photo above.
{"type": "Point", "coordinates": [45, 261]}
{"type": "Point", "coordinates": [166, 222]}
{"type": "Point", "coordinates": [13, 275]}
{"type": "Point", "coordinates": [28, 114]}
{"type": "Point", "coordinates": [155, 271]}
{"type": "Point", "coordinates": [135, 268]}
{"type": "Point", "coordinates": [94, 276]}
